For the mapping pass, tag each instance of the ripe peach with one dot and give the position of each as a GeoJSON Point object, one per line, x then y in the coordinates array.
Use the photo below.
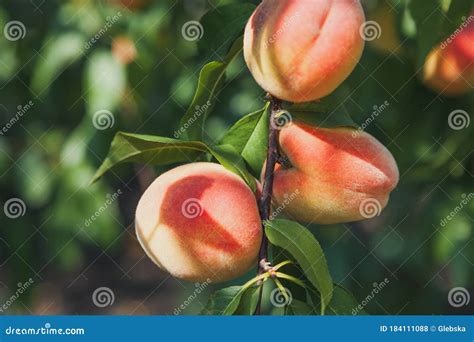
{"type": "Point", "coordinates": [301, 50]}
{"type": "Point", "coordinates": [338, 175]}
{"type": "Point", "coordinates": [449, 69]}
{"type": "Point", "coordinates": [198, 222]}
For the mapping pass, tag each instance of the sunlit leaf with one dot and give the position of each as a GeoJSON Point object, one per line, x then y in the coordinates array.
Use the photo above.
{"type": "Point", "coordinates": [147, 149]}
{"type": "Point", "coordinates": [155, 150]}
{"type": "Point", "coordinates": [250, 138]}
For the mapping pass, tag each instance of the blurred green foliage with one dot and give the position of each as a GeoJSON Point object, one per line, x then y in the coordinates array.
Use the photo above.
{"type": "Point", "coordinates": [66, 67]}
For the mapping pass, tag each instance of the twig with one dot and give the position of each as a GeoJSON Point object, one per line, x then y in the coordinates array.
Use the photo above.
{"type": "Point", "coordinates": [266, 197]}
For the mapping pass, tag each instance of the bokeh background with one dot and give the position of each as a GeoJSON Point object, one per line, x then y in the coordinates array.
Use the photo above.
{"type": "Point", "coordinates": [77, 57]}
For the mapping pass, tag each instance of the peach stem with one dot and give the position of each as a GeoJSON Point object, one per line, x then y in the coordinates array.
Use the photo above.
{"type": "Point", "coordinates": [265, 200]}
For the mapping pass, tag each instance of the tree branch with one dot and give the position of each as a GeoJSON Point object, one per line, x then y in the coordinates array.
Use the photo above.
{"type": "Point", "coordinates": [265, 201]}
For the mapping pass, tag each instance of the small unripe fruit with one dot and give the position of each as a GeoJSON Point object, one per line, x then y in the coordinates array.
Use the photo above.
{"type": "Point", "coordinates": [337, 175]}
{"type": "Point", "coordinates": [200, 222]}
{"type": "Point", "coordinates": [386, 18]}
{"type": "Point", "coordinates": [449, 68]}
{"type": "Point", "coordinates": [301, 50]}
{"type": "Point", "coordinates": [124, 50]}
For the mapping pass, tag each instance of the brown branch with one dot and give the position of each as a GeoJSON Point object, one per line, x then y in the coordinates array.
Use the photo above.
{"type": "Point", "coordinates": [265, 201]}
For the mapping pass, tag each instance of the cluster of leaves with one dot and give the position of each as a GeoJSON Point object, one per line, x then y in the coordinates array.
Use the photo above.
{"type": "Point", "coordinates": [303, 283]}
{"type": "Point", "coordinates": [242, 150]}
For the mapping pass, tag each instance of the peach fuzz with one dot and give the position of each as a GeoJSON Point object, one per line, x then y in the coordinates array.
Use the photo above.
{"type": "Point", "coordinates": [200, 222]}
{"type": "Point", "coordinates": [449, 69]}
{"type": "Point", "coordinates": [302, 50]}
{"type": "Point", "coordinates": [335, 172]}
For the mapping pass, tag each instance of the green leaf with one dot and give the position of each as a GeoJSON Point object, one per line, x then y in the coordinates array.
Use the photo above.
{"type": "Point", "coordinates": [304, 247]}
{"type": "Point", "coordinates": [226, 301]}
{"type": "Point", "coordinates": [147, 149]}
{"type": "Point", "coordinates": [279, 255]}
{"type": "Point", "coordinates": [249, 136]}
{"type": "Point", "coordinates": [105, 82]}
{"type": "Point", "coordinates": [222, 26]}
{"type": "Point", "coordinates": [60, 52]}
{"type": "Point", "coordinates": [326, 113]}
{"type": "Point", "coordinates": [211, 79]}
{"type": "Point", "coordinates": [300, 308]}
{"type": "Point", "coordinates": [279, 311]}
{"type": "Point", "coordinates": [343, 303]}
{"type": "Point", "coordinates": [223, 302]}
{"type": "Point", "coordinates": [154, 150]}
{"type": "Point", "coordinates": [231, 160]}
{"type": "Point", "coordinates": [248, 302]}
{"type": "Point", "coordinates": [457, 14]}
{"type": "Point", "coordinates": [8, 61]}
{"type": "Point", "coordinates": [239, 134]}
{"type": "Point", "coordinates": [428, 20]}
{"type": "Point", "coordinates": [435, 21]}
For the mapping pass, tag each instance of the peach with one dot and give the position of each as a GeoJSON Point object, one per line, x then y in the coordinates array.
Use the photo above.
{"type": "Point", "coordinates": [336, 175]}
{"type": "Point", "coordinates": [449, 68]}
{"type": "Point", "coordinates": [301, 50]}
{"type": "Point", "coordinates": [200, 222]}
